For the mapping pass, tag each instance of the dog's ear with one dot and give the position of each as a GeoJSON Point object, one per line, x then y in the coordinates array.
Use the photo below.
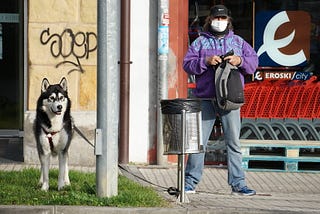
{"type": "Point", "coordinates": [63, 84]}
{"type": "Point", "coordinates": [45, 84]}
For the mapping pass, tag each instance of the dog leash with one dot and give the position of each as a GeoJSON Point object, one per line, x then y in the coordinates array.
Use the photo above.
{"type": "Point", "coordinates": [170, 190]}
{"type": "Point", "coordinates": [82, 135]}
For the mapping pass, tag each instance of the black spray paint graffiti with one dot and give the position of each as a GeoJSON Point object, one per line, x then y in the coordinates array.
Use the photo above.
{"type": "Point", "coordinates": [68, 44]}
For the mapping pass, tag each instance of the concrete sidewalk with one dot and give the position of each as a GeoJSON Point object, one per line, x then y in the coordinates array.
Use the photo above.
{"type": "Point", "coordinates": [277, 192]}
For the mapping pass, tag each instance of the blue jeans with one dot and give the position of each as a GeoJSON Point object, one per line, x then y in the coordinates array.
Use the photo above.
{"type": "Point", "coordinates": [231, 125]}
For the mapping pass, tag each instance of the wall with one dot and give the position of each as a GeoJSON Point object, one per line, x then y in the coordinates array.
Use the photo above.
{"type": "Point", "coordinates": [53, 19]}
{"type": "Point", "coordinates": [73, 22]}
{"type": "Point", "coordinates": [143, 85]}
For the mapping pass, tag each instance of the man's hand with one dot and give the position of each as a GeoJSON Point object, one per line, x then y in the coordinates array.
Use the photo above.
{"type": "Point", "coordinates": [233, 60]}
{"type": "Point", "coordinates": [213, 60]}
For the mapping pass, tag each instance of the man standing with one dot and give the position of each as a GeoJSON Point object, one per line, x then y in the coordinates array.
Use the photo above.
{"type": "Point", "coordinates": [201, 59]}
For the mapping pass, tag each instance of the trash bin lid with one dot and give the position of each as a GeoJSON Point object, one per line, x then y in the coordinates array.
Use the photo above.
{"type": "Point", "coordinates": [176, 106]}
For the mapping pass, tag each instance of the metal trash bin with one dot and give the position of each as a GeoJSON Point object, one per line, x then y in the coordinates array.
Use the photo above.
{"type": "Point", "coordinates": [182, 133]}
{"type": "Point", "coordinates": [181, 122]}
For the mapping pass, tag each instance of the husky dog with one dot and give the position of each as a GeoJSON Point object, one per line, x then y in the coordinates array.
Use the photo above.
{"type": "Point", "coordinates": [53, 130]}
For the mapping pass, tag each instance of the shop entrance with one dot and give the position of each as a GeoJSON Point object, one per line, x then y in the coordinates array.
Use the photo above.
{"type": "Point", "coordinates": [11, 79]}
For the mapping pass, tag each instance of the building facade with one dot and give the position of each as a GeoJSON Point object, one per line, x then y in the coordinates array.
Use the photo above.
{"type": "Point", "coordinates": [58, 38]}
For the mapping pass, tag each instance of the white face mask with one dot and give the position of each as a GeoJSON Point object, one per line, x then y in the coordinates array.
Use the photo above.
{"type": "Point", "coordinates": [219, 25]}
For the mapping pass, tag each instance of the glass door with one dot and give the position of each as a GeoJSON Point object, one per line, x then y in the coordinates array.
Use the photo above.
{"type": "Point", "coordinates": [11, 66]}
{"type": "Point", "coordinates": [11, 80]}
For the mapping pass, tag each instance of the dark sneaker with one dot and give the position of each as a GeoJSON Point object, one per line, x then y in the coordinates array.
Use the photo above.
{"type": "Point", "coordinates": [189, 190]}
{"type": "Point", "coordinates": [243, 191]}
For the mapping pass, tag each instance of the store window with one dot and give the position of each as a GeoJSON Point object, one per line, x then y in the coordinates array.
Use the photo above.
{"type": "Point", "coordinates": [241, 12]}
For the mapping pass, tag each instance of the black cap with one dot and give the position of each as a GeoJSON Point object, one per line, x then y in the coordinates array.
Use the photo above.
{"type": "Point", "coordinates": [219, 10]}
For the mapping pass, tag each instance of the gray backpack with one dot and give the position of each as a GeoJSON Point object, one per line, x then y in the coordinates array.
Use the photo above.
{"type": "Point", "coordinates": [229, 89]}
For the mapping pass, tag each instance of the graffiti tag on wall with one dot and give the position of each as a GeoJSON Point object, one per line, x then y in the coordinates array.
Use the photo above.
{"type": "Point", "coordinates": [71, 46]}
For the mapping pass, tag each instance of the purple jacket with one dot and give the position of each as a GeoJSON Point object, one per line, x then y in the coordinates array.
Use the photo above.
{"type": "Point", "coordinates": [207, 45]}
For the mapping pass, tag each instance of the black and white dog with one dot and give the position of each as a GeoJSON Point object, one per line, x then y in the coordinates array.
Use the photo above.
{"type": "Point", "coordinates": [53, 130]}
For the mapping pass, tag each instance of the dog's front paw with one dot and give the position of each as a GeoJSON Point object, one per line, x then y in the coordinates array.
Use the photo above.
{"type": "Point", "coordinates": [67, 181]}
{"type": "Point", "coordinates": [63, 185]}
{"type": "Point", "coordinates": [45, 187]}
{"type": "Point", "coordinates": [60, 187]}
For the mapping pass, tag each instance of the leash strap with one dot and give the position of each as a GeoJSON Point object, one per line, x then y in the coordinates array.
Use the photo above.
{"type": "Point", "coordinates": [49, 136]}
{"type": "Point", "coordinates": [82, 135]}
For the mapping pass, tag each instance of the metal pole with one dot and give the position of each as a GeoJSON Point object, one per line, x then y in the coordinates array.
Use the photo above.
{"type": "Point", "coordinates": [124, 82]}
{"type": "Point", "coordinates": [163, 51]}
{"type": "Point", "coordinates": [182, 195]}
{"type": "Point", "coordinates": [106, 149]}
{"type": "Point", "coordinates": [179, 173]}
